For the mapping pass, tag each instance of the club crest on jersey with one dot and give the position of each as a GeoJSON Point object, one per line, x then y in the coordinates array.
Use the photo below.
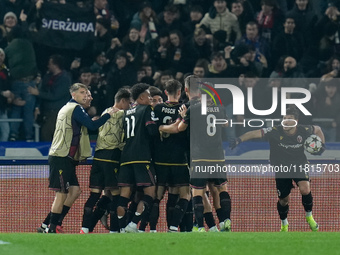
{"type": "Point", "coordinates": [60, 172]}
{"type": "Point", "coordinates": [299, 139]}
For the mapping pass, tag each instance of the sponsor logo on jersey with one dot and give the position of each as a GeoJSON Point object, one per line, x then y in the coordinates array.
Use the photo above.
{"type": "Point", "coordinates": [299, 138]}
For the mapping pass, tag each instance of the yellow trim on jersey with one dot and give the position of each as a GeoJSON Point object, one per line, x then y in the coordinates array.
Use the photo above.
{"type": "Point", "coordinates": [106, 160]}
{"type": "Point", "coordinates": [135, 162]}
{"type": "Point", "coordinates": [208, 160]}
{"type": "Point", "coordinates": [170, 164]}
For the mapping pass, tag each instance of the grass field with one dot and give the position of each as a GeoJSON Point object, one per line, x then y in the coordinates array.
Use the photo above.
{"type": "Point", "coordinates": [172, 243]}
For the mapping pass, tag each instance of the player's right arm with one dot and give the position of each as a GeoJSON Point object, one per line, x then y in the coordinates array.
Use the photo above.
{"type": "Point", "coordinates": [170, 129]}
{"type": "Point", "coordinates": [256, 134]}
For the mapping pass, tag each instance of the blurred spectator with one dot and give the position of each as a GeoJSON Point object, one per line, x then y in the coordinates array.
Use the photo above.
{"type": "Point", "coordinates": [99, 64]}
{"type": "Point", "coordinates": [167, 19]}
{"type": "Point", "coordinates": [219, 18]}
{"type": "Point", "coordinates": [305, 20]}
{"type": "Point", "coordinates": [252, 38]}
{"type": "Point", "coordinates": [270, 19]}
{"type": "Point", "coordinates": [182, 54]}
{"type": "Point", "coordinates": [251, 80]}
{"type": "Point", "coordinates": [332, 69]}
{"type": "Point", "coordinates": [146, 19]}
{"type": "Point", "coordinates": [196, 15]}
{"type": "Point", "coordinates": [14, 6]}
{"type": "Point", "coordinates": [23, 68]}
{"type": "Point", "coordinates": [288, 42]}
{"type": "Point", "coordinates": [219, 40]}
{"type": "Point", "coordinates": [133, 44]}
{"type": "Point", "coordinates": [327, 105]}
{"type": "Point", "coordinates": [10, 20]}
{"type": "Point", "coordinates": [53, 94]}
{"type": "Point", "coordinates": [97, 88]}
{"type": "Point", "coordinates": [259, 61]}
{"type": "Point", "coordinates": [273, 83]}
{"type": "Point", "coordinates": [161, 78]}
{"type": "Point", "coordinates": [148, 69]}
{"type": "Point", "coordinates": [244, 13]}
{"type": "Point", "coordinates": [6, 98]}
{"type": "Point", "coordinates": [123, 73]}
{"type": "Point", "coordinates": [244, 59]}
{"type": "Point", "coordinates": [141, 73]}
{"type": "Point", "coordinates": [201, 68]}
{"type": "Point", "coordinates": [115, 46]}
{"type": "Point", "coordinates": [291, 74]}
{"type": "Point", "coordinates": [86, 79]}
{"type": "Point", "coordinates": [103, 36]}
{"type": "Point", "coordinates": [329, 43]}
{"type": "Point", "coordinates": [101, 9]}
{"type": "Point", "coordinates": [220, 66]}
{"type": "Point", "coordinates": [159, 50]}
{"type": "Point", "coordinates": [202, 44]}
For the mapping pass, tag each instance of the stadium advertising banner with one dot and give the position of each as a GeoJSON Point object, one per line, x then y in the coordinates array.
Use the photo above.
{"type": "Point", "coordinates": [66, 26]}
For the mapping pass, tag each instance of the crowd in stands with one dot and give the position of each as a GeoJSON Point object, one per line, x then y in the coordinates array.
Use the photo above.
{"type": "Point", "coordinates": [293, 43]}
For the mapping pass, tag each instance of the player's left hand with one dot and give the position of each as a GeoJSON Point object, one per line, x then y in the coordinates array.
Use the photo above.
{"type": "Point", "coordinates": [323, 148]}
{"type": "Point", "coordinates": [183, 110]}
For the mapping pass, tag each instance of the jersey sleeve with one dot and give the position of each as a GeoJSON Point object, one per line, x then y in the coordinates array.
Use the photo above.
{"type": "Point", "coordinates": [150, 121]}
{"type": "Point", "coordinates": [158, 115]}
{"type": "Point", "coordinates": [309, 129]}
{"type": "Point", "coordinates": [186, 118]}
{"type": "Point", "coordinates": [268, 132]}
{"type": "Point", "coordinates": [80, 115]}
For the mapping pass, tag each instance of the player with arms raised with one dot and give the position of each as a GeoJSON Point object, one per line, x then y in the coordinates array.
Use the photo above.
{"type": "Point", "coordinates": [287, 149]}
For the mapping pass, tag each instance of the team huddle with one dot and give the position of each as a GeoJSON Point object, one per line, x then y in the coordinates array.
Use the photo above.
{"type": "Point", "coordinates": [142, 151]}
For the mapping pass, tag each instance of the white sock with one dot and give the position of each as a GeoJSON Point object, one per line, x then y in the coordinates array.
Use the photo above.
{"type": "Point", "coordinates": [86, 230]}
{"type": "Point", "coordinates": [43, 225]}
{"type": "Point", "coordinates": [308, 214]}
{"type": "Point", "coordinates": [284, 222]}
{"type": "Point", "coordinates": [132, 224]}
{"type": "Point", "coordinates": [173, 228]}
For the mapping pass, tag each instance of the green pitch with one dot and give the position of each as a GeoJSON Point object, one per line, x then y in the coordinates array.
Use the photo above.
{"type": "Point", "coordinates": [171, 243]}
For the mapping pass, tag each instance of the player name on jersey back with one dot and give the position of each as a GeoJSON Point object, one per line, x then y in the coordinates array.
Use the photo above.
{"type": "Point", "coordinates": [130, 111]}
{"type": "Point", "coordinates": [213, 109]}
{"type": "Point", "coordinates": [169, 110]}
